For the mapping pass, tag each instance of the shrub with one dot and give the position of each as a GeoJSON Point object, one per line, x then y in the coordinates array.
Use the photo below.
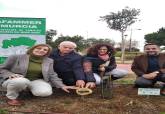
{"type": "Point", "coordinates": [131, 55]}
{"type": "Point", "coordinates": [128, 55]}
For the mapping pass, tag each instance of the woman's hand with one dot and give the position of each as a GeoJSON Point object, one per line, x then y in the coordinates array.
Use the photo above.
{"type": "Point", "coordinates": [66, 88]}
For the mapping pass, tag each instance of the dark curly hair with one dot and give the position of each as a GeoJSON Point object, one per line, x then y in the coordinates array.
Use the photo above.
{"type": "Point", "coordinates": [93, 50]}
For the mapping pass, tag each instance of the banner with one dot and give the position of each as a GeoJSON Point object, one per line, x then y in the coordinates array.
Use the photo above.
{"type": "Point", "coordinates": [18, 34]}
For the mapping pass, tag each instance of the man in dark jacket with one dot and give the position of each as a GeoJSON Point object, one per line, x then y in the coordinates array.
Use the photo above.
{"type": "Point", "coordinates": [149, 67]}
{"type": "Point", "coordinates": [68, 65]}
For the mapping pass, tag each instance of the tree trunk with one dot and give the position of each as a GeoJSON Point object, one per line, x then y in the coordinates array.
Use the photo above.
{"type": "Point", "coordinates": [122, 47]}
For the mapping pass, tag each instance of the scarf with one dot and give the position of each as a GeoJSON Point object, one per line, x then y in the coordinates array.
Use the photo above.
{"type": "Point", "coordinates": [104, 57]}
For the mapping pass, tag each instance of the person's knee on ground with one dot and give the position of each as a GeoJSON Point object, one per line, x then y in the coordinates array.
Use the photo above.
{"type": "Point", "coordinates": [14, 86]}
{"type": "Point", "coordinates": [97, 78]}
{"type": "Point", "coordinates": [117, 73]}
{"type": "Point", "coordinates": [16, 82]}
{"type": "Point", "coordinates": [162, 77]}
{"type": "Point", "coordinates": [114, 78]}
{"type": "Point", "coordinates": [40, 88]}
{"type": "Point", "coordinates": [142, 82]}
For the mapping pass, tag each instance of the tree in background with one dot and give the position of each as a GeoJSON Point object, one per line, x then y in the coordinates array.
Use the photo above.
{"type": "Point", "coordinates": [77, 39]}
{"type": "Point", "coordinates": [91, 41]}
{"type": "Point", "coordinates": [82, 43]}
{"type": "Point", "coordinates": [49, 36]}
{"type": "Point", "coordinates": [120, 21]}
{"type": "Point", "coordinates": [156, 37]}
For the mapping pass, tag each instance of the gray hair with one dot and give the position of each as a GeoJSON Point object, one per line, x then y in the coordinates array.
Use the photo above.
{"type": "Point", "coordinates": [68, 43]}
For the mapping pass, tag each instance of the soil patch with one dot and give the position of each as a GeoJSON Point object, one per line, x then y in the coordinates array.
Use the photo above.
{"type": "Point", "coordinates": [125, 101]}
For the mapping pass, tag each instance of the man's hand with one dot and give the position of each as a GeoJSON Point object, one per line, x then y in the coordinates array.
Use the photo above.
{"type": "Point", "coordinates": [66, 88]}
{"type": "Point", "coordinates": [80, 83]}
{"type": "Point", "coordinates": [90, 85]}
{"type": "Point", "coordinates": [151, 75]}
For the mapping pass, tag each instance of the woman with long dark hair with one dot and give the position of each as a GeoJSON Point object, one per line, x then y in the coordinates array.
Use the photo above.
{"type": "Point", "coordinates": [100, 58]}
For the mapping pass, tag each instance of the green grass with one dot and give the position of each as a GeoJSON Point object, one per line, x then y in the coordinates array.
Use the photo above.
{"type": "Point", "coordinates": [3, 111]}
{"type": "Point", "coordinates": [130, 81]}
{"type": "Point", "coordinates": [162, 113]}
{"type": "Point", "coordinates": [125, 62]}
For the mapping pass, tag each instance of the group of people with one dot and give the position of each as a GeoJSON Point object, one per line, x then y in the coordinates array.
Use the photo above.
{"type": "Point", "coordinates": [41, 69]}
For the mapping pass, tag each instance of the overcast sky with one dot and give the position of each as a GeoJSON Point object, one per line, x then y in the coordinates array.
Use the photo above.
{"type": "Point", "coordinates": [80, 17]}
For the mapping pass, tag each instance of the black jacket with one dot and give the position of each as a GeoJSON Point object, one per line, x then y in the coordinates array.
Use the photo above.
{"type": "Point", "coordinates": [96, 62]}
{"type": "Point", "coordinates": [69, 67]}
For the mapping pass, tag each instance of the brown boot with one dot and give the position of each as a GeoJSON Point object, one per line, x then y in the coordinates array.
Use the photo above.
{"type": "Point", "coordinates": [14, 102]}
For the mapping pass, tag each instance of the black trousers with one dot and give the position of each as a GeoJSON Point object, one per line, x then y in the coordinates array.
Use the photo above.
{"type": "Point", "coordinates": [143, 82]}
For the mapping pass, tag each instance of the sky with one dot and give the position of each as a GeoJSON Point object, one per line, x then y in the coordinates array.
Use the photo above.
{"type": "Point", "coordinates": [81, 17]}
